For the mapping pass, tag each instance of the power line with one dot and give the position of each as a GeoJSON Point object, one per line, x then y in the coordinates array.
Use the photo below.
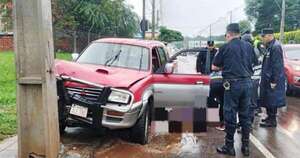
{"type": "Point", "coordinates": [278, 5]}
{"type": "Point", "coordinates": [230, 13]}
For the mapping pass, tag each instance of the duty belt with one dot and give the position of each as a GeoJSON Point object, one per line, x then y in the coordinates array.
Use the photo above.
{"type": "Point", "coordinates": [237, 79]}
{"type": "Point", "coordinates": [227, 82]}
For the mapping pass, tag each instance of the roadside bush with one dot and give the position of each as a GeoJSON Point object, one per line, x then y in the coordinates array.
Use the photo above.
{"type": "Point", "coordinates": [290, 37]}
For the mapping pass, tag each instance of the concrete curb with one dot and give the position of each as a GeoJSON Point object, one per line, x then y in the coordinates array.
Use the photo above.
{"type": "Point", "coordinates": [9, 147]}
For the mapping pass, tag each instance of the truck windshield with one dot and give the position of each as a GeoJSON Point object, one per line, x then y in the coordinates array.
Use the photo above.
{"type": "Point", "coordinates": [116, 55]}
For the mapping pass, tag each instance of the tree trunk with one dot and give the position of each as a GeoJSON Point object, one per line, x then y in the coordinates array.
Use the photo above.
{"type": "Point", "coordinates": [89, 34]}
{"type": "Point", "coordinates": [74, 42]}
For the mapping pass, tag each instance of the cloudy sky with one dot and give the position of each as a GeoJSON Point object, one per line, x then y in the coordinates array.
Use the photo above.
{"type": "Point", "coordinates": [192, 17]}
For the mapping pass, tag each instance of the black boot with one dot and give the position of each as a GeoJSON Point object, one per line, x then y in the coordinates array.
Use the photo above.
{"type": "Point", "coordinates": [269, 112]}
{"type": "Point", "coordinates": [269, 123]}
{"type": "Point", "coordinates": [227, 149]}
{"type": "Point", "coordinates": [245, 140]}
{"type": "Point", "coordinates": [245, 148]}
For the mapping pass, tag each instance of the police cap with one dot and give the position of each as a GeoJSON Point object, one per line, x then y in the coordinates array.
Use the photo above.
{"type": "Point", "coordinates": [233, 27]}
{"type": "Point", "coordinates": [210, 43]}
{"type": "Point", "coordinates": [266, 31]}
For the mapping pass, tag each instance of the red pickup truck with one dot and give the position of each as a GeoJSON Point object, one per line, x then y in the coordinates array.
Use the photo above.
{"type": "Point", "coordinates": [292, 67]}
{"type": "Point", "coordinates": [117, 83]}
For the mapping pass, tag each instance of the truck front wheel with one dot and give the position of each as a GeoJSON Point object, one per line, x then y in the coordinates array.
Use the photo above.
{"type": "Point", "coordinates": [139, 133]}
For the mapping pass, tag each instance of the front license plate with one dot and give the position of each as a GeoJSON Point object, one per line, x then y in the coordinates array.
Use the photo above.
{"type": "Point", "coordinates": [79, 111]}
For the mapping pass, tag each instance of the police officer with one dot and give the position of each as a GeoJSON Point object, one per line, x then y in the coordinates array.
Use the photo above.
{"type": "Point", "coordinates": [247, 36]}
{"type": "Point", "coordinates": [273, 78]}
{"type": "Point", "coordinates": [216, 96]}
{"type": "Point", "coordinates": [235, 59]}
{"type": "Point", "coordinates": [204, 66]}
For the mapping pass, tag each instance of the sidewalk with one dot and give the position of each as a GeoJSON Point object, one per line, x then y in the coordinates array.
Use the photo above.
{"type": "Point", "coordinates": [8, 148]}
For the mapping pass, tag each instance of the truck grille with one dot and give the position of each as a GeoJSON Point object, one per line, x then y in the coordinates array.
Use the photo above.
{"type": "Point", "coordinates": [89, 93]}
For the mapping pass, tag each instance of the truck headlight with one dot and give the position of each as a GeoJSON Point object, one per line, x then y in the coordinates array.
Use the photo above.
{"type": "Point", "coordinates": [119, 97]}
{"type": "Point", "coordinates": [296, 67]}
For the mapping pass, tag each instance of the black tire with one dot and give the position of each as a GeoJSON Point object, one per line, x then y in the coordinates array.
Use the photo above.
{"type": "Point", "coordinates": [62, 117]}
{"type": "Point", "coordinates": [139, 133]}
{"type": "Point", "coordinates": [62, 128]}
{"type": "Point", "coordinates": [289, 91]}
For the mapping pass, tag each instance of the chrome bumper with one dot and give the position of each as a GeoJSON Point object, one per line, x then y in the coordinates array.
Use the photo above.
{"type": "Point", "coordinates": [130, 111]}
{"type": "Point", "coordinates": [121, 122]}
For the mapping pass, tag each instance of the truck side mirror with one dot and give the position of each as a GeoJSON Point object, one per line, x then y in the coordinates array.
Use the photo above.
{"type": "Point", "coordinates": [75, 56]}
{"type": "Point", "coordinates": [169, 68]}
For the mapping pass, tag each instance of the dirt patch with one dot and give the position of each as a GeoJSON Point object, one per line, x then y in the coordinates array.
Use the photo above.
{"type": "Point", "coordinates": [159, 146]}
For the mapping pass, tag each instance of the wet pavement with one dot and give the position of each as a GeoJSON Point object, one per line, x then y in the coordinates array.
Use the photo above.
{"type": "Point", "coordinates": [78, 141]}
{"type": "Point", "coordinates": [280, 142]}
{"type": "Point", "coordinates": [283, 141]}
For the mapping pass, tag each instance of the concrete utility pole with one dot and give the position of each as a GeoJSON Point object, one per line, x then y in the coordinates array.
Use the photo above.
{"type": "Point", "coordinates": [210, 32]}
{"type": "Point", "coordinates": [38, 134]}
{"type": "Point", "coordinates": [230, 14]}
{"type": "Point", "coordinates": [161, 13]}
{"type": "Point", "coordinates": [157, 18]}
{"type": "Point", "coordinates": [153, 19]}
{"type": "Point", "coordinates": [282, 24]}
{"type": "Point", "coordinates": [144, 17]}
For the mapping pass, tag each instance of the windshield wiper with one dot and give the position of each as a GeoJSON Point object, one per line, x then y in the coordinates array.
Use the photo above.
{"type": "Point", "coordinates": [113, 59]}
{"type": "Point", "coordinates": [141, 60]}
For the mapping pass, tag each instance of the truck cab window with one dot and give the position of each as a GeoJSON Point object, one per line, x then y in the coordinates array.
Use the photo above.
{"type": "Point", "coordinates": [155, 60]}
{"type": "Point", "coordinates": [162, 55]}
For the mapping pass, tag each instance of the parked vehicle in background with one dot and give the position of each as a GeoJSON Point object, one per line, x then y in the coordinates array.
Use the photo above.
{"type": "Point", "coordinates": [116, 83]}
{"type": "Point", "coordinates": [292, 67]}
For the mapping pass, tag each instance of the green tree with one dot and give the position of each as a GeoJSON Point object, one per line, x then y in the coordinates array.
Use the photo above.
{"type": "Point", "coordinates": [63, 14]}
{"type": "Point", "coordinates": [168, 35]}
{"type": "Point", "coordinates": [267, 13]}
{"type": "Point", "coordinates": [84, 20]}
{"type": "Point", "coordinates": [6, 14]}
{"type": "Point", "coordinates": [105, 17]}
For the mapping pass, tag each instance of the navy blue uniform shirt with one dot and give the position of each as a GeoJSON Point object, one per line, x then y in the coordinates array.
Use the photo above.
{"type": "Point", "coordinates": [236, 58]}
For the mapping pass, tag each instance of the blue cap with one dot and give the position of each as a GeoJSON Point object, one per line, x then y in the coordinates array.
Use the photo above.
{"type": "Point", "coordinates": [233, 27]}
{"type": "Point", "coordinates": [266, 31]}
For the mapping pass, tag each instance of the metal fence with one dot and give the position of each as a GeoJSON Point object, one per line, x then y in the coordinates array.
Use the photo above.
{"type": "Point", "coordinates": [73, 41]}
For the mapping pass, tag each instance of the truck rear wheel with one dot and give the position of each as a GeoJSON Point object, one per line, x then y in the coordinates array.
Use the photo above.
{"type": "Point", "coordinates": [139, 133]}
{"type": "Point", "coordinates": [288, 89]}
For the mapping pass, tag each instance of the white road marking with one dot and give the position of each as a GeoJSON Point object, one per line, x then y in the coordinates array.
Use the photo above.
{"type": "Point", "coordinates": [284, 131]}
{"type": "Point", "coordinates": [261, 147]}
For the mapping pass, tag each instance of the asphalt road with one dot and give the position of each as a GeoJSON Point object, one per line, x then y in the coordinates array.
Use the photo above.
{"type": "Point", "coordinates": [280, 142]}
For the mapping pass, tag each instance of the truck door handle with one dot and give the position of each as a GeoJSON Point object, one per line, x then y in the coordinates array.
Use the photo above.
{"type": "Point", "coordinates": [200, 82]}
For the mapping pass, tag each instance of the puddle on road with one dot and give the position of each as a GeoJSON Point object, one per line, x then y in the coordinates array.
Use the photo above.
{"type": "Point", "coordinates": [189, 145]}
{"type": "Point", "coordinates": [171, 145]}
{"type": "Point", "coordinates": [161, 145]}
